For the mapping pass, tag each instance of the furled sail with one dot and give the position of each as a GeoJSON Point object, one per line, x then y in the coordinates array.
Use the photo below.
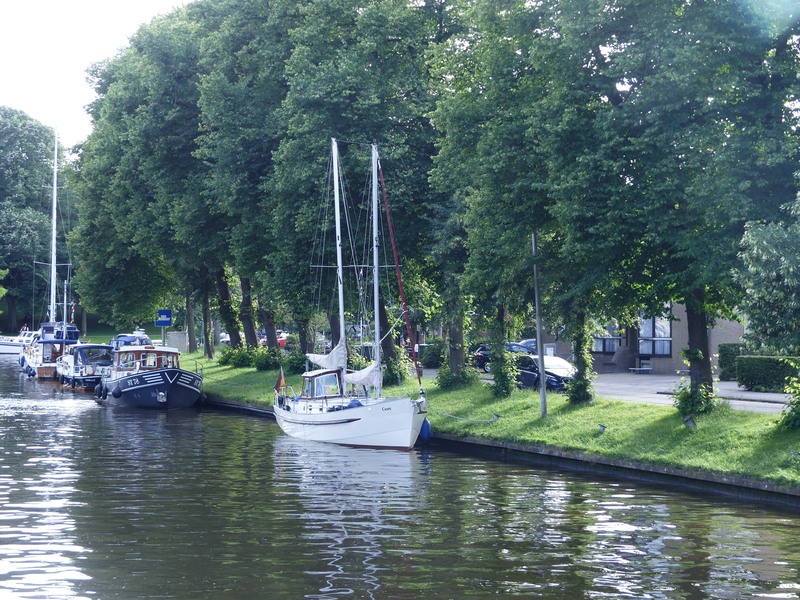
{"type": "Point", "coordinates": [335, 359]}
{"type": "Point", "coordinates": [370, 376]}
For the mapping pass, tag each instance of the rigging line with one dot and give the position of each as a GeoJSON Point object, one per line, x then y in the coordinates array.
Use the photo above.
{"type": "Point", "coordinates": [495, 417]}
{"type": "Point", "coordinates": [397, 270]}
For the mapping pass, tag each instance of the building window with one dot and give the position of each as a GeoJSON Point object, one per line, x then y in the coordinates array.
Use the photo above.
{"type": "Point", "coordinates": [655, 336]}
{"type": "Point", "coordinates": [608, 342]}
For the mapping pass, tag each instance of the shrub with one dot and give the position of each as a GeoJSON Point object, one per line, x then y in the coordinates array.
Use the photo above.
{"type": "Point", "coordinates": [465, 378]}
{"type": "Point", "coordinates": [727, 360]}
{"type": "Point", "coordinates": [764, 373]}
{"type": "Point", "coordinates": [689, 404]}
{"type": "Point", "coordinates": [433, 354]}
{"type": "Point", "coordinates": [295, 362]}
{"type": "Point", "coordinates": [235, 357]}
{"type": "Point", "coordinates": [790, 416]}
{"type": "Point", "coordinates": [505, 373]}
{"type": "Point", "coordinates": [398, 369]}
{"type": "Point", "coordinates": [266, 359]}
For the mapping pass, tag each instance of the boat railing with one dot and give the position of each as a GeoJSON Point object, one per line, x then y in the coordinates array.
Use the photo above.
{"type": "Point", "coordinates": [198, 368]}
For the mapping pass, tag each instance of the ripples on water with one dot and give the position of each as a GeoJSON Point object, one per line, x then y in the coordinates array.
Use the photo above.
{"type": "Point", "coordinates": [102, 503]}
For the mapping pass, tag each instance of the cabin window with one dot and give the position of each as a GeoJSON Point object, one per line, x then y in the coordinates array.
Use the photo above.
{"type": "Point", "coordinates": [326, 385]}
{"type": "Point", "coordinates": [149, 359]}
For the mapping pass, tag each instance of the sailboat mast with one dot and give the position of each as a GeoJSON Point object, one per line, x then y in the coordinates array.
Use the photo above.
{"type": "Point", "coordinates": [53, 232]}
{"type": "Point", "coordinates": [337, 213]}
{"type": "Point", "coordinates": [375, 257]}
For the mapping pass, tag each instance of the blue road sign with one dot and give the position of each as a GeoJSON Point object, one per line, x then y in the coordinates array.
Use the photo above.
{"type": "Point", "coordinates": [164, 318]}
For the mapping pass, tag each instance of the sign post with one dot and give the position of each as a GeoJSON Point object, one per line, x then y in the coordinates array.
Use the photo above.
{"type": "Point", "coordinates": [163, 320]}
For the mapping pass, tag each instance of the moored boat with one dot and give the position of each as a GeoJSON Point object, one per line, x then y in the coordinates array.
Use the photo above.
{"type": "Point", "coordinates": [82, 364]}
{"type": "Point", "coordinates": [345, 407]}
{"type": "Point", "coordinates": [13, 344]}
{"type": "Point", "coordinates": [39, 358]}
{"type": "Point", "coordinates": [148, 376]}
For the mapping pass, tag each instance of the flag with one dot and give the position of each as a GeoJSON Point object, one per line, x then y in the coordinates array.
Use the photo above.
{"type": "Point", "coordinates": [281, 382]}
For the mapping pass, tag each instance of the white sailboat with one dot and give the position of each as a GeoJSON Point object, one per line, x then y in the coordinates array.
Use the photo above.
{"type": "Point", "coordinates": [38, 358]}
{"type": "Point", "coordinates": [344, 407]}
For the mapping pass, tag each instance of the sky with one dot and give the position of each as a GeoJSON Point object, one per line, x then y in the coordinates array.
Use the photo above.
{"type": "Point", "coordinates": [46, 46]}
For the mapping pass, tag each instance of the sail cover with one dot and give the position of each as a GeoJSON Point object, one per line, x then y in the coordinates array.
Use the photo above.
{"type": "Point", "coordinates": [371, 376]}
{"type": "Point", "coordinates": [335, 359]}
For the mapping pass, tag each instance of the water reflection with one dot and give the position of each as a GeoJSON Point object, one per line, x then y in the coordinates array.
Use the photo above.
{"type": "Point", "coordinates": [38, 548]}
{"type": "Point", "coordinates": [355, 505]}
{"type": "Point", "coordinates": [108, 503]}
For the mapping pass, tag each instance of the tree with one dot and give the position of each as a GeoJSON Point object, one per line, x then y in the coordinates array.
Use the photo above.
{"type": "Point", "coordinates": [26, 174]}
{"type": "Point", "coordinates": [770, 276]}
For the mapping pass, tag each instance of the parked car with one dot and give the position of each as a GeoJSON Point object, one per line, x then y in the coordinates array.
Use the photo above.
{"type": "Point", "coordinates": [530, 344]}
{"type": "Point", "coordinates": [482, 356]}
{"type": "Point", "coordinates": [558, 372]}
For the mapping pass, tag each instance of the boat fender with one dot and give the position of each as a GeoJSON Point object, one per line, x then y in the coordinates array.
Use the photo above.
{"type": "Point", "coordinates": [354, 403]}
{"type": "Point", "coordinates": [425, 432]}
{"type": "Point", "coordinates": [116, 392]}
{"type": "Point", "coordinates": [97, 389]}
{"type": "Point", "coordinates": [104, 393]}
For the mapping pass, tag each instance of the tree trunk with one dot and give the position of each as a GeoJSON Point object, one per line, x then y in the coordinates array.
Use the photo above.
{"type": "Point", "coordinates": [698, 353]}
{"type": "Point", "coordinates": [267, 320]}
{"type": "Point", "coordinates": [208, 343]}
{"type": "Point", "coordinates": [306, 343]}
{"type": "Point", "coordinates": [455, 336]}
{"type": "Point", "coordinates": [333, 322]}
{"type": "Point", "coordinates": [191, 335]}
{"type": "Point", "coordinates": [11, 303]}
{"type": "Point", "coordinates": [226, 311]}
{"type": "Point", "coordinates": [246, 314]}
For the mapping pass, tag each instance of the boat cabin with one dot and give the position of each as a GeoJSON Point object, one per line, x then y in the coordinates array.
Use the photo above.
{"type": "Point", "coordinates": [146, 358]}
{"type": "Point", "coordinates": [322, 383]}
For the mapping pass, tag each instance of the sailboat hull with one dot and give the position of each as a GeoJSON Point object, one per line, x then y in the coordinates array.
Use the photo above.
{"type": "Point", "coordinates": [377, 423]}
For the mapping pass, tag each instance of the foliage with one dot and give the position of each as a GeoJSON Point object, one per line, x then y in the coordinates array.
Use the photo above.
{"type": "Point", "coordinates": [434, 354]}
{"type": "Point", "coordinates": [504, 371]}
{"type": "Point", "coordinates": [790, 416]}
{"type": "Point", "coordinates": [266, 359]}
{"type": "Point", "coordinates": [770, 277]}
{"type": "Point", "coordinates": [728, 352]}
{"type": "Point", "coordinates": [398, 369]}
{"type": "Point", "coordinates": [691, 402]}
{"type": "Point", "coordinates": [764, 373]}
{"type": "Point", "coordinates": [580, 390]}
{"type": "Point", "coordinates": [466, 377]}
{"type": "Point", "coordinates": [235, 357]}
{"type": "Point", "coordinates": [295, 361]}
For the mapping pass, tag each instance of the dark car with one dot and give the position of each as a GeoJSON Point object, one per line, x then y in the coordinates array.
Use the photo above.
{"type": "Point", "coordinates": [482, 356]}
{"type": "Point", "coordinates": [558, 371]}
{"type": "Point", "coordinates": [530, 344]}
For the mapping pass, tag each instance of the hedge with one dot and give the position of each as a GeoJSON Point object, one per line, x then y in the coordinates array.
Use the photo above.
{"type": "Point", "coordinates": [727, 360]}
{"type": "Point", "coordinates": [764, 373]}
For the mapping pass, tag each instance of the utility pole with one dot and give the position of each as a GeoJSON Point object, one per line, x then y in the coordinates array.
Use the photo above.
{"type": "Point", "coordinates": [539, 349]}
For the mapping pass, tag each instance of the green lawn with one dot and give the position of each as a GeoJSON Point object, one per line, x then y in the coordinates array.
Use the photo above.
{"type": "Point", "coordinates": [727, 441]}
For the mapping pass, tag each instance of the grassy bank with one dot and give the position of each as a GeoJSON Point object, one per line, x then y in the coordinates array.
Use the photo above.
{"type": "Point", "coordinates": [727, 441]}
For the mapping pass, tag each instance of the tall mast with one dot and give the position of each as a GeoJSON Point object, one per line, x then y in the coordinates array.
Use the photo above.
{"type": "Point", "coordinates": [53, 232]}
{"type": "Point", "coordinates": [375, 257]}
{"type": "Point", "coordinates": [337, 213]}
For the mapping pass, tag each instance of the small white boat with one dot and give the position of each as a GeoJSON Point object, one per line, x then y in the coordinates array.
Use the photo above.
{"type": "Point", "coordinates": [13, 344]}
{"type": "Point", "coordinates": [82, 364]}
{"type": "Point", "coordinates": [343, 407]}
{"type": "Point", "coordinates": [148, 376]}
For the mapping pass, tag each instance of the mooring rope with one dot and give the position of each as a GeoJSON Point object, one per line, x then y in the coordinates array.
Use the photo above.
{"type": "Point", "coordinates": [494, 418]}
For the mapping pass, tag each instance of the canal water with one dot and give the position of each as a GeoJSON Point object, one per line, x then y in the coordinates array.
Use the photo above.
{"type": "Point", "coordinates": [105, 503]}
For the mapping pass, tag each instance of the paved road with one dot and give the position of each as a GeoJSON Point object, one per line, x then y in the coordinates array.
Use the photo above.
{"type": "Point", "coordinates": [656, 389]}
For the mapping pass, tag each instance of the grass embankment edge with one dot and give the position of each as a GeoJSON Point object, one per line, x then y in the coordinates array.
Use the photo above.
{"type": "Point", "coordinates": [728, 447]}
